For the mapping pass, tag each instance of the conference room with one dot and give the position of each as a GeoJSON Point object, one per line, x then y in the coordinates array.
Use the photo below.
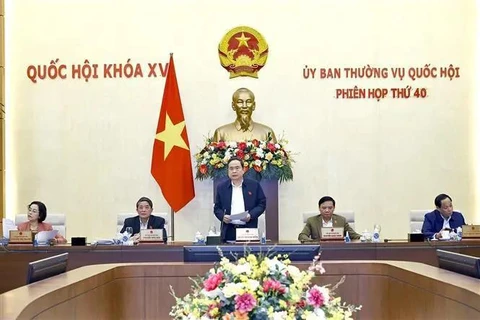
{"type": "Point", "coordinates": [375, 104]}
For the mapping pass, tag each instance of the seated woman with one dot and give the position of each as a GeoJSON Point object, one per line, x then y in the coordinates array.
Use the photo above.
{"type": "Point", "coordinates": [144, 220]}
{"type": "Point", "coordinates": [37, 213]}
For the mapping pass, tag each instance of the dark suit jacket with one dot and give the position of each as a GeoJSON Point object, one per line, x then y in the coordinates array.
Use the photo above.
{"type": "Point", "coordinates": [154, 222]}
{"type": "Point", "coordinates": [253, 197]}
{"type": "Point", "coordinates": [312, 232]}
{"type": "Point", "coordinates": [433, 222]}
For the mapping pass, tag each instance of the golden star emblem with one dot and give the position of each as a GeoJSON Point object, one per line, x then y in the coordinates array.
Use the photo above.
{"type": "Point", "coordinates": [243, 41]}
{"type": "Point", "coordinates": [172, 136]}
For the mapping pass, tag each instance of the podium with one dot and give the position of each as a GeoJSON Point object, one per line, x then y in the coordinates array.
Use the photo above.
{"type": "Point", "coordinates": [270, 188]}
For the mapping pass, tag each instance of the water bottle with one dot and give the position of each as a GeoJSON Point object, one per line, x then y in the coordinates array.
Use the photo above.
{"type": "Point", "coordinates": [376, 233]}
{"type": "Point", "coordinates": [459, 233]}
{"type": "Point", "coordinates": [366, 236]}
{"type": "Point", "coordinates": [199, 238]}
{"type": "Point", "coordinates": [263, 240]}
{"type": "Point", "coordinates": [347, 237]}
{"type": "Point", "coordinates": [124, 239]}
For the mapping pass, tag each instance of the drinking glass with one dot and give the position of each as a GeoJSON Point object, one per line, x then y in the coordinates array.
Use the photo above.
{"type": "Point", "coordinates": [212, 230]}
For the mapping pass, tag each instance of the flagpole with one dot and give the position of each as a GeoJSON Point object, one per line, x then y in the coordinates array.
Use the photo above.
{"type": "Point", "coordinates": [172, 222]}
{"type": "Point", "coordinates": [172, 213]}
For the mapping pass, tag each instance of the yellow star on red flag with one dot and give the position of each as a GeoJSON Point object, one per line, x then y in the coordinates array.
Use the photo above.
{"type": "Point", "coordinates": [172, 136]}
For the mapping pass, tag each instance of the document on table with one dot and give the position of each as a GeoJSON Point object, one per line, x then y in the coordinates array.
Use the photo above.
{"type": "Point", "coordinates": [236, 218]}
{"type": "Point", "coordinates": [104, 242]}
{"type": "Point", "coordinates": [45, 236]}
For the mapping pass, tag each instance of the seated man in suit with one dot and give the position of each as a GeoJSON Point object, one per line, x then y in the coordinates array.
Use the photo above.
{"type": "Point", "coordinates": [312, 232]}
{"type": "Point", "coordinates": [144, 220]}
{"type": "Point", "coordinates": [442, 218]}
{"type": "Point", "coordinates": [238, 195]}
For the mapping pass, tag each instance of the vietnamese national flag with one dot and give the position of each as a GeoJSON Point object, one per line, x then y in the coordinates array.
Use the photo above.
{"type": "Point", "coordinates": [171, 159]}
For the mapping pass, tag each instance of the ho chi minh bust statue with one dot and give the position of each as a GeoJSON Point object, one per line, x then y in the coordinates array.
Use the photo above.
{"type": "Point", "coordinates": [243, 128]}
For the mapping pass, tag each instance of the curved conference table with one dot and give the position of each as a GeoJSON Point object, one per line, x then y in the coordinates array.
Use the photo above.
{"type": "Point", "coordinates": [14, 259]}
{"type": "Point", "coordinates": [386, 290]}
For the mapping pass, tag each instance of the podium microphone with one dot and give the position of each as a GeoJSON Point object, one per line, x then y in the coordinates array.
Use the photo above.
{"type": "Point", "coordinates": [395, 240]}
{"type": "Point", "coordinates": [164, 236]}
{"type": "Point", "coordinates": [222, 233]}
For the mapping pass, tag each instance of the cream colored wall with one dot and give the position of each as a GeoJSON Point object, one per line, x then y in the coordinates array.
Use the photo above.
{"type": "Point", "coordinates": [85, 148]}
{"type": "Point", "coordinates": [2, 105]}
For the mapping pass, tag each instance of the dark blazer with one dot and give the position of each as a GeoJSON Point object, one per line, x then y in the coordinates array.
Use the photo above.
{"type": "Point", "coordinates": [433, 222]}
{"type": "Point", "coordinates": [154, 222]}
{"type": "Point", "coordinates": [253, 197]}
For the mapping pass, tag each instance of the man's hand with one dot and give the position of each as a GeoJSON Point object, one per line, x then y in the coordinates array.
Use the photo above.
{"type": "Point", "coordinates": [135, 238]}
{"type": "Point", "coordinates": [247, 218]}
{"type": "Point", "coordinates": [226, 218]}
{"type": "Point", "coordinates": [438, 235]}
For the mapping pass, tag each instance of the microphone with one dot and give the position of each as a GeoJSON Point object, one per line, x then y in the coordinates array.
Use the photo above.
{"type": "Point", "coordinates": [222, 233]}
{"type": "Point", "coordinates": [164, 235]}
{"type": "Point", "coordinates": [395, 240]}
{"type": "Point", "coordinates": [429, 241]}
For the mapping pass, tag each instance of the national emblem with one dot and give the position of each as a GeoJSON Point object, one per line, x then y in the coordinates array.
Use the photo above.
{"type": "Point", "coordinates": [243, 52]}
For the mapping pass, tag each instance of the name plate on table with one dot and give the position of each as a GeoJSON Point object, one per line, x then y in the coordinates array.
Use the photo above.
{"type": "Point", "coordinates": [20, 237]}
{"type": "Point", "coordinates": [471, 231]}
{"type": "Point", "coordinates": [332, 234]}
{"type": "Point", "coordinates": [247, 234]}
{"type": "Point", "coordinates": [151, 235]}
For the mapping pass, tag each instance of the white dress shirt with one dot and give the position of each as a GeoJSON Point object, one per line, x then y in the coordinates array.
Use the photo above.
{"type": "Point", "coordinates": [143, 226]}
{"type": "Point", "coordinates": [446, 222]}
{"type": "Point", "coordinates": [238, 204]}
{"type": "Point", "coordinates": [328, 224]}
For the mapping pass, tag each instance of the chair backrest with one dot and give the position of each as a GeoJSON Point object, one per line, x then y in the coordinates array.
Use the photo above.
{"type": "Point", "coordinates": [416, 219]}
{"type": "Point", "coordinates": [57, 220]}
{"type": "Point", "coordinates": [122, 216]}
{"type": "Point", "coordinates": [349, 215]}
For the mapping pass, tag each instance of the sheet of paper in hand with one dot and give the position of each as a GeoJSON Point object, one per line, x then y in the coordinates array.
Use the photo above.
{"type": "Point", "coordinates": [236, 218]}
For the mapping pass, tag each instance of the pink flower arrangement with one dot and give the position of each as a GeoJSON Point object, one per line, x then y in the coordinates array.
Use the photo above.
{"type": "Point", "coordinates": [245, 303]}
{"type": "Point", "coordinates": [261, 158]}
{"type": "Point", "coordinates": [213, 281]}
{"type": "Point", "coordinates": [261, 287]}
{"type": "Point", "coordinates": [317, 297]}
{"type": "Point", "coordinates": [275, 286]}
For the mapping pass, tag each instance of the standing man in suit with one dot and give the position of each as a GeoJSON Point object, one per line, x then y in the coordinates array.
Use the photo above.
{"type": "Point", "coordinates": [312, 232]}
{"type": "Point", "coordinates": [238, 195]}
{"type": "Point", "coordinates": [442, 218]}
{"type": "Point", "coordinates": [144, 220]}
